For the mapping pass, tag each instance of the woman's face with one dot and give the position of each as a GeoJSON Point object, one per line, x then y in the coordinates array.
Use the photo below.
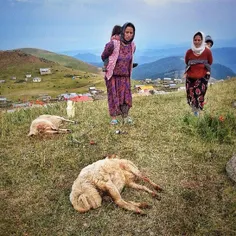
{"type": "Point", "coordinates": [129, 33]}
{"type": "Point", "coordinates": [197, 41]}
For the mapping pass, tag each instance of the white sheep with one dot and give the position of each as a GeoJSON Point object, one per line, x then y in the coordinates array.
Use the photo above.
{"type": "Point", "coordinates": [109, 176]}
{"type": "Point", "coordinates": [48, 124]}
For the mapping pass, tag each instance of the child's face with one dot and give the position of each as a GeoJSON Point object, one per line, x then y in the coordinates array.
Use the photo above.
{"type": "Point", "coordinates": [209, 44]}
{"type": "Point", "coordinates": [129, 32]}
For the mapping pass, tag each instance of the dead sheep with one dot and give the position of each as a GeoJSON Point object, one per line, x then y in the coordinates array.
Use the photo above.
{"type": "Point", "coordinates": [109, 176]}
{"type": "Point", "coordinates": [48, 124]}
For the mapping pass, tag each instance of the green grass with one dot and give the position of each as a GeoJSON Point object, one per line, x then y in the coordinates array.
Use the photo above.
{"type": "Point", "coordinates": [211, 127]}
{"type": "Point", "coordinates": [53, 84]}
{"type": "Point", "coordinates": [19, 63]}
{"type": "Point", "coordinates": [198, 198]}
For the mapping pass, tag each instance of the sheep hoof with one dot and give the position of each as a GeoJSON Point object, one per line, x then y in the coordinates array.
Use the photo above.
{"type": "Point", "coordinates": [154, 195]}
{"type": "Point", "coordinates": [158, 188]}
{"type": "Point", "coordinates": [145, 205]}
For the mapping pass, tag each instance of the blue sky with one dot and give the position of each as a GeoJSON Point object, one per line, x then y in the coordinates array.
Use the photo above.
{"type": "Point", "coordinates": [60, 25]}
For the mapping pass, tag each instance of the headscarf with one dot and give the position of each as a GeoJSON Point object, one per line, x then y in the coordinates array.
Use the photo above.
{"type": "Point", "coordinates": [122, 38]}
{"type": "Point", "coordinates": [199, 50]}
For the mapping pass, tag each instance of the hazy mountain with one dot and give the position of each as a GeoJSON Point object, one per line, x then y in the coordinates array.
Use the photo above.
{"type": "Point", "coordinates": [174, 67]}
{"type": "Point", "coordinates": [225, 56]}
{"type": "Point", "coordinates": [219, 71]}
{"type": "Point", "coordinates": [88, 57]}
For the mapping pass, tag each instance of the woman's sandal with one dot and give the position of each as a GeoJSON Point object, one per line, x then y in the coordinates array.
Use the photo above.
{"type": "Point", "coordinates": [114, 122]}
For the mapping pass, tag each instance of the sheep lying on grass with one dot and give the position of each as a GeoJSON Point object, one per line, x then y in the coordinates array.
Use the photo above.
{"type": "Point", "coordinates": [108, 176]}
{"type": "Point", "coordinates": [48, 124]}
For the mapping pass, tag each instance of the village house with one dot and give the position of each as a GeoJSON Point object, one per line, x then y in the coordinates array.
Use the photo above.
{"type": "Point", "coordinates": [167, 80]}
{"type": "Point", "coordinates": [93, 90]}
{"type": "Point", "coordinates": [148, 81]}
{"type": "Point", "coordinates": [178, 81]}
{"type": "Point", "coordinates": [66, 96]}
{"type": "Point", "coordinates": [2, 81]}
{"type": "Point", "coordinates": [3, 99]}
{"type": "Point", "coordinates": [45, 71]}
{"type": "Point", "coordinates": [13, 77]}
{"type": "Point", "coordinates": [173, 86]}
{"type": "Point", "coordinates": [44, 97]}
{"type": "Point", "coordinates": [4, 103]}
{"type": "Point", "coordinates": [36, 80]}
{"type": "Point", "coordinates": [28, 76]}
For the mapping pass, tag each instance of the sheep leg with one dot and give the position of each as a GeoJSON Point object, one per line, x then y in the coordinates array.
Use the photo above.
{"type": "Point", "coordinates": [70, 121]}
{"type": "Point", "coordinates": [57, 131]}
{"type": "Point", "coordinates": [135, 171]}
{"type": "Point", "coordinates": [64, 130]}
{"type": "Point", "coordinates": [155, 186]}
{"type": "Point", "coordinates": [114, 193]}
{"type": "Point", "coordinates": [140, 204]}
{"type": "Point", "coordinates": [144, 188]}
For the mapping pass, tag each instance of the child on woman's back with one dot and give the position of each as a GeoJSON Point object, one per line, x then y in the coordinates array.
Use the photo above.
{"type": "Point", "coordinates": [209, 43]}
{"type": "Point", "coordinates": [115, 35]}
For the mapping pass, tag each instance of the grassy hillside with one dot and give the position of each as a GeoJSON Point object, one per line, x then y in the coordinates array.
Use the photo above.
{"type": "Point", "coordinates": [64, 60]}
{"type": "Point", "coordinates": [17, 63]}
{"type": "Point", "coordinates": [165, 141]}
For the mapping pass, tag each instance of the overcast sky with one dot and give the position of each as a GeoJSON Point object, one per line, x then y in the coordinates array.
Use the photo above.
{"type": "Point", "coordinates": [59, 25]}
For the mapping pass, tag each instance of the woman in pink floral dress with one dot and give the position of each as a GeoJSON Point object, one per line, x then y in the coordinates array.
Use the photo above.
{"type": "Point", "coordinates": [119, 69]}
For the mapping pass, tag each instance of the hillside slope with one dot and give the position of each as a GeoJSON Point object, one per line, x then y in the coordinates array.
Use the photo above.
{"type": "Point", "coordinates": [19, 58]}
{"type": "Point", "coordinates": [64, 60]}
{"type": "Point", "coordinates": [16, 64]}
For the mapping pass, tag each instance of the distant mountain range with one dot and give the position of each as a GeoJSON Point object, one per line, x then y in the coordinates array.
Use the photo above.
{"type": "Point", "coordinates": [154, 62]}
{"type": "Point", "coordinates": [174, 67]}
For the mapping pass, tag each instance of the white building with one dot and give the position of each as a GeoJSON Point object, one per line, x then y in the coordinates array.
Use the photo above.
{"type": "Point", "coordinates": [36, 80]}
{"type": "Point", "coordinates": [45, 71]}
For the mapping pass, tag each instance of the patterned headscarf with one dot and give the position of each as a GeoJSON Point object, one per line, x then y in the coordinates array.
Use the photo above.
{"type": "Point", "coordinates": [128, 24]}
{"type": "Point", "coordinates": [199, 50]}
